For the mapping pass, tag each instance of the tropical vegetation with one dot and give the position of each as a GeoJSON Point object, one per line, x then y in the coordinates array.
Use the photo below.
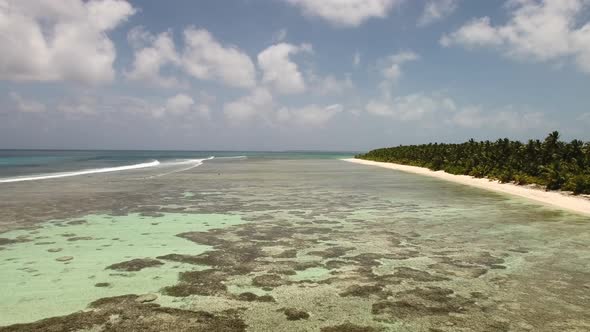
{"type": "Point", "coordinates": [551, 163]}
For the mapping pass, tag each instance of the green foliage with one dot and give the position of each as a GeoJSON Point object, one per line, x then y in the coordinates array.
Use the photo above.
{"type": "Point", "coordinates": [579, 184]}
{"type": "Point", "coordinates": [550, 163]}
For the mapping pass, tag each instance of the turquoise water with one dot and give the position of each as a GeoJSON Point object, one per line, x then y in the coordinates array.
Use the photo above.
{"type": "Point", "coordinates": [35, 162]}
{"type": "Point", "coordinates": [33, 277]}
{"type": "Point", "coordinates": [267, 236]}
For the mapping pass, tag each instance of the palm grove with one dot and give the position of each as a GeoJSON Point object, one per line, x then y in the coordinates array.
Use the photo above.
{"type": "Point", "coordinates": [551, 163]}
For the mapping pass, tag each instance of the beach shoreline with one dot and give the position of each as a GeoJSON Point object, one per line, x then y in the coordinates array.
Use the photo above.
{"type": "Point", "coordinates": [577, 204]}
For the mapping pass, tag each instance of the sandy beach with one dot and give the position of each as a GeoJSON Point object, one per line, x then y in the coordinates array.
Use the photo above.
{"type": "Point", "coordinates": [579, 204]}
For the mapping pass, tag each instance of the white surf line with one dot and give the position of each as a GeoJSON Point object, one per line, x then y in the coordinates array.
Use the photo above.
{"type": "Point", "coordinates": [198, 162]}
{"type": "Point", "coordinates": [236, 157]}
{"type": "Point", "coordinates": [561, 200]}
{"type": "Point", "coordinates": [83, 172]}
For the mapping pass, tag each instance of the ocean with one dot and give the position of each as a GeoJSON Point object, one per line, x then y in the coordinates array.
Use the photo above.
{"type": "Point", "coordinates": [276, 241]}
{"type": "Point", "coordinates": [27, 165]}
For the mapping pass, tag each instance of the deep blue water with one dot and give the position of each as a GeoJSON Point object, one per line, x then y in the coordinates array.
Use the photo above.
{"type": "Point", "coordinates": [17, 163]}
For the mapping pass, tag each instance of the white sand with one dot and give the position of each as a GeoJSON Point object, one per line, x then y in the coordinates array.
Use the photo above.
{"type": "Point", "coordinates": [579, 204]}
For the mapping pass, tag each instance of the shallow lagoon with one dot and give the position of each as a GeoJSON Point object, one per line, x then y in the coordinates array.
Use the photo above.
{"type": "Point", "coordinates": [348, 245]}
{"type": "Point", "coordinates": [33, 278]}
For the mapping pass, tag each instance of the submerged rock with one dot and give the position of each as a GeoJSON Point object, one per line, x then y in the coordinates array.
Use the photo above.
{"type": "Point", "coordinates": [294, 314]}
{"type": "Point", "coordinates": [133, 265]}
{"type": "Point", "coordinates": [348, 327]}
{"type": "Point", "coordinates": [146, 298]}
{"type": "Point", "coordinates": [5, 241]}
{"type": "Point", "coordinates": [77, 222]}
{"type": "Point", "coordinates": [206, 282]}
{"type": "Point", "coordinates": [80, 238]}
{"type": "Point", "coordinates": [54, 249]}
{"type": "Point", "coordinates": [64, 258]}
{"type": "Point", "coordinates": [124, 313]}
{"type": "Point", "coordinates": [268, 280]}
{"type": "Point", "coordinates": [362, 291]}
{"type": "Point", "coordinates": [251, 297]}
{"type": "Point", "coordinates": [102, 284]}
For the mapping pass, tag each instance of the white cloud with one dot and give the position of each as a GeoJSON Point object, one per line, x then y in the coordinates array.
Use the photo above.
{"type": "Point", "coordinates": [279, 36]}
{"type": "Point", "coordinates": [308, 116]}
{"type": "Point", "coordinates": [329, 85]}
{"type": "Point", "coordinates": [392, 64]}
{"type": "Point", "coordinates": [182, 104]}
{"type": "Point", "coordinates": [391, 70]}
{"type": "Point", "coordinates": [25, 105]}
{"type": "Point", "coordinates": [205, 58]}
{"type": "Point", "coordinates": [506, 118]}
{"type": "Point", "coordinates": [412, 107]}
{"type": "Point", "coordinates": [356, 59]}
{"type": "Point", "coordinates": [436, 10]}
{"type": "Point", "coordinates": [149, 59]}
{"type": "Point", "coordinates": [258, 104]}
{"type": "Point", "coordinates": [279, 72]}
{"type": "Point", "coordinates": [178, 106]}
{"type": "Point", "coordinates": [440, 110]}
{"type": "Point", "coordinates": [346, 13]}
{"type": "Point", "coordinates": [59, 40]}
{"type": "Point", "coordinates": [477, 33]}
{"type": "Point", "coordinates": [538, 30]}
{"type": "Point", "coordinates": [82, 105]}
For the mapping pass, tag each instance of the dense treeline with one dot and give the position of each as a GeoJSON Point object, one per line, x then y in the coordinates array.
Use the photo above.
{"type": "Point", "coordinates": [550, 163]}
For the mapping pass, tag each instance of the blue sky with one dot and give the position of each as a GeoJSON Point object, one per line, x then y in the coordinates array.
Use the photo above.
{"type": "Point", "coordinates": [290, 74]}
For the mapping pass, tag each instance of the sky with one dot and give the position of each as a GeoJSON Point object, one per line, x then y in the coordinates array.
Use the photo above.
{"type": "Point", "coordinates": [348, 75]}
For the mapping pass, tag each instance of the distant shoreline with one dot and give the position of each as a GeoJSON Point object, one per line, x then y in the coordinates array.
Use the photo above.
{"type": "Point", "coordinates": [579, 204]}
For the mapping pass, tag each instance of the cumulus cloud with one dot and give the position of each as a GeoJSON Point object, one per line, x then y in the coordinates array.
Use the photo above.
{"type": "Point", "coordinates": [279, 72]}
{"type": "Point", "coordinates": [391, 70]}
{"type": "Point", "coordinates": [330, 85]}
{"type": "Point", "coordinates": [182, 104]}
{"type": "Point", "coordinates": [205, 58]}
{"type": "Point", "coordinates": [202, 57]}
{"type": "Point", "coordinates": [25, 105]}
{"type": "Point", "coordinates": [59, 40]}
{"type": "Point", "coordinates": [476, 117]}
{"type": "Point", "coordinates": [412, 107]}
{"type": "Point", "coordinates": [308, 116]}
{"type": "Point", "coordinates": [258, 104]}
{"type": "Point", "coordinates": [84, 105]}
{"type": "Point", "coordinates": [177, 106]}
{"type": "Point", "coordinates": [439, 110]}
{"type": "Point", "coordinates": [538, 30]}
{"type": "Point", "coordinates": [392, 64]}
{"type": "Point", "coordinates": [151, 54]}
{"type": "Point", "coordinates": [436, 10]}
{"type": "Point", "coordinates": [346, 13]}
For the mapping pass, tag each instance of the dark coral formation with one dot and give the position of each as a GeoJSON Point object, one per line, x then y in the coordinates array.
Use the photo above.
{"type": "Point", "coordinates": [251, 297]}
{"type": "Point", "coordinates": [419, 302]}
{"type": "Point", "coordinates": [124, 314]}
{"type": "Point", "coordinates": [348, 327]}
{"type": "Point", "coordinates": [206, 282]}
{"type": "Point", "coordinates": [137, 264]}
{"type": "Point", "coordinates": [294, 313]}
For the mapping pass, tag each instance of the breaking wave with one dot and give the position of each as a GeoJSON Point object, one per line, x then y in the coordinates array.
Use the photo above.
{"type": "Point", "coordinates": [82, 172]}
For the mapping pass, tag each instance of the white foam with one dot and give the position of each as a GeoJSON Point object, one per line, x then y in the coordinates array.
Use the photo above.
{"type": "Point", "coordinates": [82, 172]}
{"type": "Point", "coordinates": [193, 162]}
{"type": "Point", "coordinates": [236, 157]}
